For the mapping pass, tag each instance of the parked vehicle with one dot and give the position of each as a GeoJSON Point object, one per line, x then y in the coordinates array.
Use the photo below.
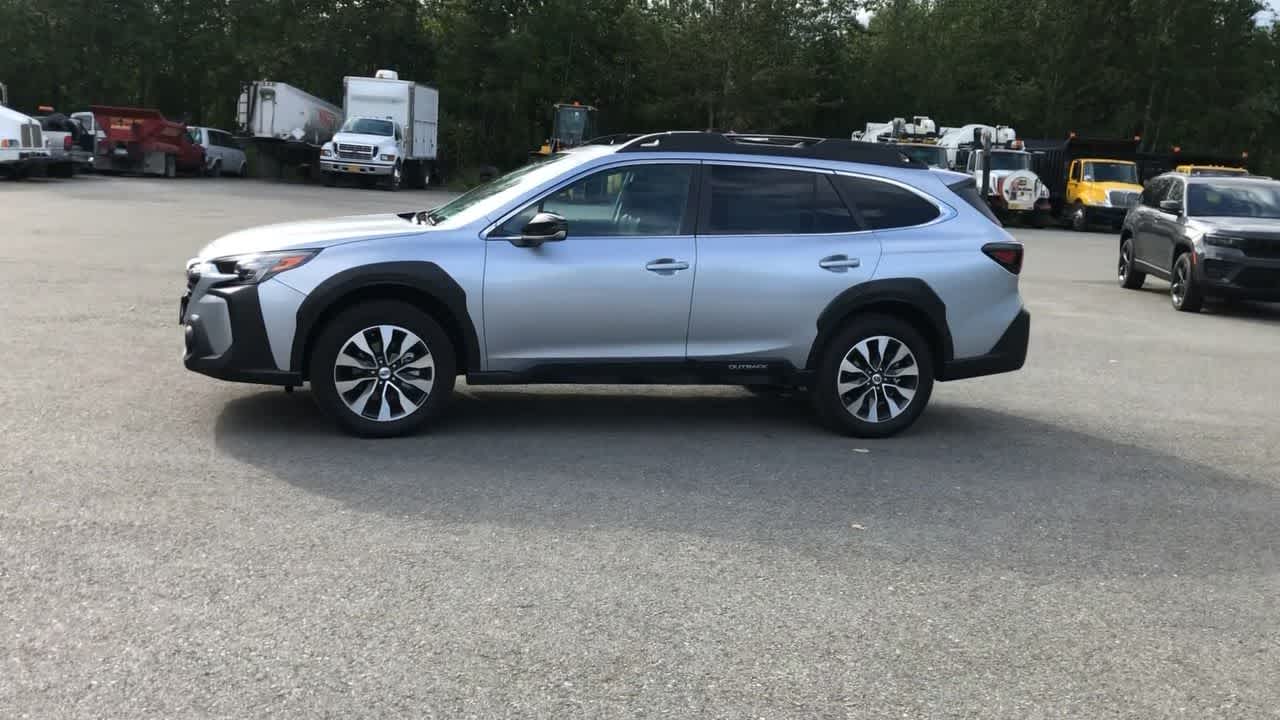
{"type": "Point", "coordinates": [995, 155]}
{"type": "Point", "coordinates": [22, 149]}
{"type": "Point", "coordinates": [572, 124]}
{"type": "Point", "coordinates": [90, 125]}
{"type": "Point", "coordinates": [286, 125]}
{"type": "Point", "coordinates": [1215, 170]}
{"type": "Point", "coordinates": [917, 139]}
{"type": "Point", "coordinates": [224, 156]}
{"type": "Point", "coordinates": [1209, 236]}
{"type": "Point", "coordinates": [1090, 181]}
{"type": "Point", "coordinates": [142, 141]}
{"type": "Point", "coordinates": [831, 265]}
{"type": "Point", "coordinates": [931, 155]}
{"type": "Point", "coordinates": [390, 132]}
{"type": "Point", "coordinates": [70, 147]}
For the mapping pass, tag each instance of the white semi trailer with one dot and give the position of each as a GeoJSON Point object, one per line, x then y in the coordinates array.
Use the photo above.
{"type": "Point", "coordinates": [286, 125]}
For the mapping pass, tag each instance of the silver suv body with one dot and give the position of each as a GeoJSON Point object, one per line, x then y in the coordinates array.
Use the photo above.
{"type": "Point", "coordinates": [842, 269]}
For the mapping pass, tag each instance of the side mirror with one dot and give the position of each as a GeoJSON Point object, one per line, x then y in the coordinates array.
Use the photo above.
{"type": "Point", "coordinates": [1171, 206]}
{"type": "Point", "coordinates": [544, 227]}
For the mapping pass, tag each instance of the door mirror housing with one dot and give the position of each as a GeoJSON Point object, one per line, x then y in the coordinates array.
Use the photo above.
{"type": "Point", "coordinates": [542, 228]}
{"type": "Point", "coordinates": [1171, 206]}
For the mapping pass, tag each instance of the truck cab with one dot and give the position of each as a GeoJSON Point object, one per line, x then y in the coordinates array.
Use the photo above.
{"type": "Point", "coordinates": [1100, 190]}
{"type": "Point", "coordinates": [1015, 189]}
{"type": "Point", "coordinates": [366, 146]}
{"type": "Point", "coordinates": [22, 147]}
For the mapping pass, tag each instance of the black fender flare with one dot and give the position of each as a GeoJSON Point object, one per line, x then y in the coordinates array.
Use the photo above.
{"type": "Point", "coordinates": [422, 279]}
{"type": "Point", "coordinates": [911, 292]}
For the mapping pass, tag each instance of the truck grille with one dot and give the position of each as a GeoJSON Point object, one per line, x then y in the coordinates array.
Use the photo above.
{"type": "Point", "coordinates": [1263, 248]}
{"type": "Point", "coordinates": [1122, 198]}
{"type": "Point", "coordinates": [355, 152]}
{"type": "Point", "coordinates": [31, 135]}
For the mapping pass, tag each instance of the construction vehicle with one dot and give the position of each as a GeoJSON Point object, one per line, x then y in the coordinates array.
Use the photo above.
{"type": "Point", "coordinates": [1090, 181]}
{"type": "Point", "coordinates": [572, 124]}
{"type": "Point", "coordinates": [138, 140]}
{"type": "Point", "coordinates": [1001, 166]}
{"type": "Point", "coordinates": [918, 139]}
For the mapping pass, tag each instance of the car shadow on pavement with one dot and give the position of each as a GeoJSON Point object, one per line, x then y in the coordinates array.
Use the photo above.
{"type": "Point", "coordinates": [965, 486]}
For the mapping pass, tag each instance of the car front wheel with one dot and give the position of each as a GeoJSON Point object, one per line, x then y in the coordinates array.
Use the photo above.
{"type": "Point", "coordinates": [1184, 290]}
{"type": "Point", "coordinates": [383, 369]}
{"type": "Point", "coordinates": [875, 378]}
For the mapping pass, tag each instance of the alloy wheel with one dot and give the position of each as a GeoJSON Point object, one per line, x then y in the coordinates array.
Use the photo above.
{"type": "Point", "coordinates": [1126, 262]}
{"type": "Point", "coordinates": [384, 373]}
{"type": "Point", "coordinates": [1178, 286]}
{"type": "Point", "coordinates": [877, 379]}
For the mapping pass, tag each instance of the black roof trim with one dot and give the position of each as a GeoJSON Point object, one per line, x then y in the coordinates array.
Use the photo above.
{"type": "Point", "coordinates": [793, 146]}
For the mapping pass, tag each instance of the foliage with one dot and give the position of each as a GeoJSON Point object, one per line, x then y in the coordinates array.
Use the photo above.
{"type": "Point", "coordinates": [1199, 73]}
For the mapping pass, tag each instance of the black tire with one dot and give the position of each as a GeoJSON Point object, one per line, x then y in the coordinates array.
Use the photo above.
{"type": "Point", "coordinates": [831, 406]}
{"type": "Point", "coordinates": [330, 179]}
{"type": "Point", "coordinates": [1184, 289]}
{"type": "Point", "coordinates": [335, 336]}
{"type": "Point", "coordinates": [1079, 217]}
{"type": "Point", "coordinates": [1130, 278]}
{"type": "Point", "coordinates": [244, 170]}
{"type": "Point", "coordinates": [170, 166]}
{"type": "Point", "coordinates": [395, 179]}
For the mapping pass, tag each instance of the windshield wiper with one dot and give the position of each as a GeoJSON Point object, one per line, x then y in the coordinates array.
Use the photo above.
{"type": "Point", "coordinates": [432, 217]}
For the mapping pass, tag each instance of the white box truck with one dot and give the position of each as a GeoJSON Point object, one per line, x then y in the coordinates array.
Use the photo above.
{"type": "Point", "coordinates": [285, 126]}
{"type": "Point", "coordinates": [390, 134]}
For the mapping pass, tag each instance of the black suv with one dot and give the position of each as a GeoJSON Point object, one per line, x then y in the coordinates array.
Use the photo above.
{"type": "Point", "coordinates": [1208, 236]}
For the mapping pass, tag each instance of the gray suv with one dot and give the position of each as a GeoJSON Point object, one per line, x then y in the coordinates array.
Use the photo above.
{"type": "Point", "coordinates": [840, 268]}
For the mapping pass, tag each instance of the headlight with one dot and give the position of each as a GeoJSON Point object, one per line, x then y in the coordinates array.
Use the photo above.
{"type": "Point", "coordinates": [253, 269]}
{"type": "Point", "coordinates": [1238, 243]}
{"type": "Point", "coordinates": [326, 152]}
{"type": "Point", "coordinates": [388, 158]}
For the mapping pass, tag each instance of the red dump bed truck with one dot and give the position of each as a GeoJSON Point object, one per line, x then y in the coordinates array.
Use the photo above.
{"type": "Point", "coordinates": [138, 140]}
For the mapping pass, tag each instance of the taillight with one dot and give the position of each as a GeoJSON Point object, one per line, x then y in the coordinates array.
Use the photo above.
{"type": "Point", "coordinates": [1007, 255]}
{"type": "Point", "coordinates": [66, 142]}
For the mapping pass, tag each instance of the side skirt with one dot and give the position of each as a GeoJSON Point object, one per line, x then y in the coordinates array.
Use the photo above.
{"type": "Point", "coordinates": [652, 372]}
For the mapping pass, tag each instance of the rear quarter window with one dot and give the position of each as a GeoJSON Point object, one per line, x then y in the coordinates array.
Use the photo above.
{"type": "Point", "coordinates": [967, 190]}
{"type": "Point", "coordinates": [884, 206]}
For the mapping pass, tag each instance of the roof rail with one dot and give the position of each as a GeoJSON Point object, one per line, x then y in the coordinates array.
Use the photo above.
{"type": "Point", "coordinates": [813, 148]}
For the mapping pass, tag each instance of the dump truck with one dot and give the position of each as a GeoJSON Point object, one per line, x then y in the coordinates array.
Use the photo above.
{"type": "Point", "coordinates": [140, 140]}
{"type": "Point", "coordinates": [1091, 181]}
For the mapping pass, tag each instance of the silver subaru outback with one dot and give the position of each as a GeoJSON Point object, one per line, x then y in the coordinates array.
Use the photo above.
{"type": "Point", "coordinates": [841, 269]}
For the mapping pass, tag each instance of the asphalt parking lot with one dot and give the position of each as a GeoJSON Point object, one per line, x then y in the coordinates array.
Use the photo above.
{"type": "Point", "coordinates": [1095, 536]}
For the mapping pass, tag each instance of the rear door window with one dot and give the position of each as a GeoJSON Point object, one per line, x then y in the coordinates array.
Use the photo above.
{"type": "Point", "coordinates": [884, 206]}
{"type": "Point", "coordinates": [745, 200]}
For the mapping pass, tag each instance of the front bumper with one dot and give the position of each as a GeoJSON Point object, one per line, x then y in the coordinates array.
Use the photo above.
{"type": "Point", "coordinates": [225, 337]}
{"type": "Point", "coordinates": [1240, 276]}
{"type": "Point", "coordinates": [1105, 214]}
{"type": "Point", "coordinates": [356, 167]}
{"type": "Point", "coordinates": [1009, 353]}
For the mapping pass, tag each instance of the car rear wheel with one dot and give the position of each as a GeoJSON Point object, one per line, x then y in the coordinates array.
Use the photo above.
{"type": "Point", "coordinates": [1130, 278]}
{"type": "Point", "coordinates": [244, 169]}
{"type": "Point", "coordinates": [383, 369]}
{"type": "Point", "coordinates": [1184, 290]}
{"type": "Point", "coordinates": [875, 378]}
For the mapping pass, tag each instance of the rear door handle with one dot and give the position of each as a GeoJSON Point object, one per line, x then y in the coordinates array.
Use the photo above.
{"type": "Point", "coordinates": [839, 263]}
{"type": "Point", "coordinates": [666, 266]}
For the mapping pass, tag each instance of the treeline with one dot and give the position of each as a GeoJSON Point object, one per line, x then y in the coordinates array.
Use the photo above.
{"type": "Point", "coordinates": [1198, 73]}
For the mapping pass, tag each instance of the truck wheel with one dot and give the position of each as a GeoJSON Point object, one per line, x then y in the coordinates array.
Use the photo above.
{"type": "Point", "coordinates": [244, 170]}
{"type": "Point", "coordinates": [395, 178]}
{"type": "Point", "coordinates": [170, 166]}
{"type": "Point", "coordinates": [1079, 218]}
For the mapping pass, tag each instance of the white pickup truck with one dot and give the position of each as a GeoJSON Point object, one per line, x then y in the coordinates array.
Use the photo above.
{"type": "Point", "coordinates": [21, 141]}
{"type": "Point", "coordinates": [390, 133]}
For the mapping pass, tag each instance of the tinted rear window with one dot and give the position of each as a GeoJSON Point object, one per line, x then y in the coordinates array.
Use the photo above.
{"type": "Point", "coordinates": [765, 201]}
{"type": "Point", "coordinates": [884, 206]}
{"type": "Point", "coordinates": [967, 190]}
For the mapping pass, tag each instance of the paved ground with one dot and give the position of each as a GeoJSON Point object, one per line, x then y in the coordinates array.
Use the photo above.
{"type": "Point", "coordinates": [1096, 536]}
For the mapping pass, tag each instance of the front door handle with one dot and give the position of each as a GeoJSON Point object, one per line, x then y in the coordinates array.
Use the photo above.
{"type": "Point", "coordinates": [666, 266]}
{"type": "Point", "coordinates": [839, 263]}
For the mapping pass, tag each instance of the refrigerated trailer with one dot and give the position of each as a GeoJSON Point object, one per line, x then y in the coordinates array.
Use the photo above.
{"type": "Point", "coordinates": [286, 126]}
{"type": "Point", "coordinates": [391, 130]}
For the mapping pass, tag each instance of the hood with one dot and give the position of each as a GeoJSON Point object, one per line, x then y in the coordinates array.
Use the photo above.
{"type": "Point", "coordinates": [1246, 226]}
{"type": "Point", "coordinates": [309, 234]}
{"type": "Point", "coordinates": [13, 117]}
{"type": "Point", "coordinates": [362, 139]}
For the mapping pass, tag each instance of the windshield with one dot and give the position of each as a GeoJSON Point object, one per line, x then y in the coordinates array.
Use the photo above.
{"type": "Point", "coordinates": [1111, 172]}
{"type": "Point", "coordinates": [1010, 161]}
{"type": "Point", "coordinates": [493, 187]}
{"type": "Point", "coordinates": [368, 126]}
{"type": "Point", "coordinates": [932, 156]}
{"type": "Point", "coordinates": [1255, 200]}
